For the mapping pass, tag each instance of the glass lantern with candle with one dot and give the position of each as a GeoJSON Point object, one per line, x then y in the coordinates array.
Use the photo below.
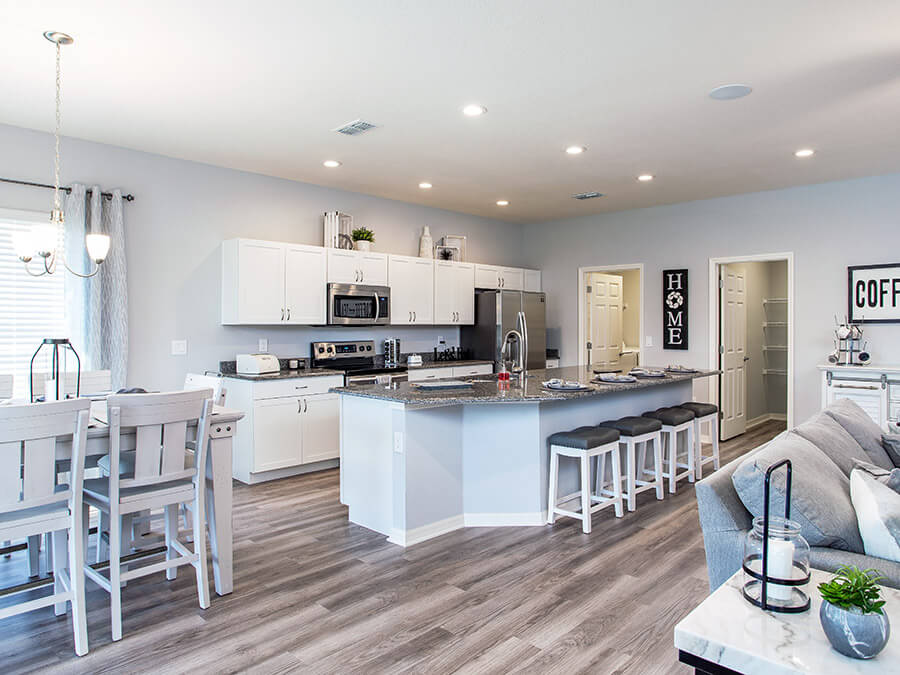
{"type": "Point", "coordinates": [776, 557]}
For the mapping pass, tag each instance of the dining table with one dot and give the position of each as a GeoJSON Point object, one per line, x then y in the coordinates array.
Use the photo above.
{"type": "Point", "coordinates": [222, 428]}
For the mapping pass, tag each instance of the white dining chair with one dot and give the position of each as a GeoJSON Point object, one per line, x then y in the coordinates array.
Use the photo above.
{"type": "Point", "coordinates": [206, 381]}
{"type": "Point", "coordinates": [161, 478]}
{"type": "Point", "coordinates": [32, 503]}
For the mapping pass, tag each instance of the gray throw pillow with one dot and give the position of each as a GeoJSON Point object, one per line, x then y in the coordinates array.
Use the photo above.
{"type": "Point", "coordinates": [890, 478]}
{"type": "Point", "coordinates": [891, 445]}
{"type": "Point", "coordinates": [878, 512]}
{"type": "Point", "coordinates": [863, 429]}
{"type": "Point", "coordinates": [820, 492]}
{"type": "Point", "coordinates": [833, 440]}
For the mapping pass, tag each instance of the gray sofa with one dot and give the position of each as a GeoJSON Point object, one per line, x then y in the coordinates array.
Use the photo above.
{"type": "Point", "coordinates": [725, 520]}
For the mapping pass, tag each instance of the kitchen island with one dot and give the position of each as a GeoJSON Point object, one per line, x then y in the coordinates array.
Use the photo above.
{"type": "Point", "coordinates": [418, 463]}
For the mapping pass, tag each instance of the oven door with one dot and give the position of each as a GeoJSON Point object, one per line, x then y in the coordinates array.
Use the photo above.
{"type": "Point", "coordinates": [355, 305]}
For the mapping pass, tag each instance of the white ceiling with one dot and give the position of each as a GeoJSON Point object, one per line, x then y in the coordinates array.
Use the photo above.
{"type": "Point", "coordinates": [259, 85]}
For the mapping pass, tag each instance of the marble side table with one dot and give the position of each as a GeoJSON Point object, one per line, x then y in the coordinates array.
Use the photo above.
{"type": "Point", "coordinates": [726, 634]}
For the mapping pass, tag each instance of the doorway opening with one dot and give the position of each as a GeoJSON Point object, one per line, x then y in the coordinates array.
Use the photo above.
{"type": "Point", "coordinates": [751, 340]}
{"type": "Point", "coordinates": [610, 316]}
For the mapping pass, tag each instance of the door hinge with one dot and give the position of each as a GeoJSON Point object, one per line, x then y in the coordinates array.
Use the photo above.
{"type": "Point", "coordinates": [590, 345]}
{"type": "Point", "coordinates": [721, 283]}
{"type": "Point", "coordinates": [588, 291]}
{"type": "Point", "coordinates": [721, 349]}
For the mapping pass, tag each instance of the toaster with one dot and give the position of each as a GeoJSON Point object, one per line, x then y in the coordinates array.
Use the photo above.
{"type": "Point", "coordinates": [257, 364]}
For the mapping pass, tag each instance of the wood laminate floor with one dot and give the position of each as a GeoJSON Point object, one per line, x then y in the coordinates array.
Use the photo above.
{"type": "Point", "coordinates": [316, 594]}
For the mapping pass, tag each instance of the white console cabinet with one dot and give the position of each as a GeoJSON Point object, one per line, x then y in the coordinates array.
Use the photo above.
{"type": "Point", "coordinates": [292, 426]}
{"type": "Point", "coordinates": [876, 389]}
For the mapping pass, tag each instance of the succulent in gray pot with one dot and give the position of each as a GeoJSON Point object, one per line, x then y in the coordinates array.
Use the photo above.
{"type": "Point", "coordinates": [851, 613]}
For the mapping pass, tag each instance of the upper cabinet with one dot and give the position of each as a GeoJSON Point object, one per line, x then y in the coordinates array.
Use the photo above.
{"type": "Point", "coordinates": [499, 278]}
{"type": "Point", "coordinates": [356, 267]}
{"type": "Point", "coordinates": [454, 293]}
{"type": "Point", "coordinates": [532, 280]}
{"type": "Point", "coordinates": [412, 290]}
{"type": "Point", "coordinates": [266, 282]}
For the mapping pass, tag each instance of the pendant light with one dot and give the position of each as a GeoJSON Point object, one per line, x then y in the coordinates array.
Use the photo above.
{"type": "Point", "coordinates": [43, 240]}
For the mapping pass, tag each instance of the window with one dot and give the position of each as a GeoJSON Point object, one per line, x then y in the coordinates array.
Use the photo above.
{"type": "Point", "coordinates": [31, 308]}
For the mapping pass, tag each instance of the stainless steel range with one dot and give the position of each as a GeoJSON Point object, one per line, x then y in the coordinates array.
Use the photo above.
{"type": "Point", "coordinates": [358, 360]}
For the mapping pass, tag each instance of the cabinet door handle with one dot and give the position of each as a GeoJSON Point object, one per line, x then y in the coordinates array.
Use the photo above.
{"type": "Point", "coordinates": [299, 406]}
{"type": "Point", "coordinates": [305, 386]}
{"type": "Point", "coordinates": [305, 405]}
{"type": "Point", "coordinates": [871, 387]}
{"type": "Point", "coordinates": [362, 275]}
{"type": "Point", "coordinates": [410, 317]}
{"type": "Point", "coordinates": [282, 313]}
{"type": "Point", "coordinates": [414, 316]}
{"type": "Point", "coordinates": [289, 314]}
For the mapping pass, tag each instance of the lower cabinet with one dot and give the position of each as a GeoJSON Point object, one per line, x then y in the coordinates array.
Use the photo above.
{"type": "Point", "coordinates": [290, 423]}
{"type": "Point", "coordinates": [445, 372]}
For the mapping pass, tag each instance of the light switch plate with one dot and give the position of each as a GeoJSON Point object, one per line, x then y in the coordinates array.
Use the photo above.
{"type": "Point", "coordinates": [648, 341]}
{"type": "Point", "coordinates": [179, 347]}
{"type": "Point", "coordinates": [263, 345]}
{"type": "Point", "coordinates": [398, 442]}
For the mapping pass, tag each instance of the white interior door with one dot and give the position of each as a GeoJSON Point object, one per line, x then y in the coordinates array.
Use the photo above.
{"type": "Point", "coordinates": [605, 300]}
{"type": "Point", "coordinates": [733, 350]}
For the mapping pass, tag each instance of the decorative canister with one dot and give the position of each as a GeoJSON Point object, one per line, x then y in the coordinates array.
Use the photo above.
{"type": "Point", "coordinates": [426, 245]}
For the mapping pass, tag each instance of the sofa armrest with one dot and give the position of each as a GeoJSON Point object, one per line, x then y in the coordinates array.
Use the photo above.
{"type": "Point", "coordinates": [829, 559]}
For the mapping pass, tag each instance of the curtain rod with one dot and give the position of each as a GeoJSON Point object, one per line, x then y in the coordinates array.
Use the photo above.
{"type": "Point", "coordinates": [67, 190]}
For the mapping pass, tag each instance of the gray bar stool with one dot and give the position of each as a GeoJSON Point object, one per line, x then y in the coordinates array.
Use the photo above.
{"type": "Point", "coordinates": [634, 431]}
{"type": "Point", "coordinates": [584, 443]}
{"type": "Point", "coordinates": [675, 421]}
{"type": "Point", "coordinates": [705, 412]}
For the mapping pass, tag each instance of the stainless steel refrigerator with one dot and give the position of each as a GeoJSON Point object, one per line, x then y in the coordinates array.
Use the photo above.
{"type": "Point", "coordinates": [496, 313]}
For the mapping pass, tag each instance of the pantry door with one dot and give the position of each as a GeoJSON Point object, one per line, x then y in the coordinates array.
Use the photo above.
{"type": "Point", "coordinates": [733, 349]}
{"type": "Point", "coordinates": [605, 300]}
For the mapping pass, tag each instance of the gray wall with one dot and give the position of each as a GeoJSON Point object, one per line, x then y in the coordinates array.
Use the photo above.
{"type": "Point", "coordinates": [183, 210]}
{"type": "Point", "coordinates": [828, 227]}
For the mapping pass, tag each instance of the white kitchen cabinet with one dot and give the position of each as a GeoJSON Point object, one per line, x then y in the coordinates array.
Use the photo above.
{"type": "Point", "coordinates": [412, 290]}
{"type": "Point", "coordinates": [320, 428]}
{"type": "Point", "coordinates": [356, 267]}
{"type": "Point", "coordinates": [276, 433]}
{"type": "Point", "coordinates": [266, 283]}
{"type": "Point", "coordinates": [292, 425]}
{"type": "Point", "coordinates": [499, 278]}
{"type": "Point", "coordinates": [532, 281]}
{"type": "Point", "coordinates": [475, 369]}
{"type": "Point", "coordinates": [420, 375]}
{"type": "Point", "coordinates": [454, 293]}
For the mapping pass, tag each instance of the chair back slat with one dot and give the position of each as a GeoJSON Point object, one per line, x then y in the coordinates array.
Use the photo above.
{"type": "Point", "coordinates": [147, 448]}
{"type": "Point", "coordinates": [160, 422]}
{"type": "Point", "coordinates": [174, 442]}
{"type": "Point", "coordinates": [214, 382]}
{"type": "Point", "coordinates": [28, 436]}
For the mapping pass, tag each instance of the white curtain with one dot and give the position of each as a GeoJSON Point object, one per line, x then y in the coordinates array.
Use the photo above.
{"type": "Point", "coordinates": [98, 307]}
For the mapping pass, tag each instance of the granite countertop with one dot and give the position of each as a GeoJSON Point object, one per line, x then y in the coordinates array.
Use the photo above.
{"type": "Point", "coordinates": [486, 389]}
{"type": "Point", "coordinates": [286, 374]}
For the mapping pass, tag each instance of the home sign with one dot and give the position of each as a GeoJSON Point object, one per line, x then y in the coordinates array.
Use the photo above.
{"type": "Point", "coordinates": [675, 309]}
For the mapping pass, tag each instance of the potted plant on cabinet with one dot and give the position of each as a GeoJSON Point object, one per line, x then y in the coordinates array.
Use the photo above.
{"type": "Point", "coordinates": [363, 238]}
{"type": "Point", "coordinates": [851, 612]}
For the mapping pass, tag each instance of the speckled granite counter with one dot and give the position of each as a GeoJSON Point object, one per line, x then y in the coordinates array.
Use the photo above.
{"type": "Point", "coordinates": [485, 388]}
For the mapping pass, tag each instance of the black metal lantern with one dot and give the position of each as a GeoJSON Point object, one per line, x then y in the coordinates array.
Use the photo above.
{"type": "Point", "coordinates": [776, 556]}
{"type": "Point", "coordinates": [56, 343]}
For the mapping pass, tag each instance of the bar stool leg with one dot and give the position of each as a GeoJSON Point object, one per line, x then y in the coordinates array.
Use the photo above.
{"type": "Point", "coordinates": [617, 480]}
{"type": "Point", "coordinates": [671, 451]}
{"type": "Point", "coordinates": [691, 446]}
{"type": "Point", "coordinates": [714, 425]}
{"type": "Point", "coordinates": [585, 493]}
{"type": "Point", "coordinates": [630, 472]}
{"type": "Point", "coordinates": [554, 476]}
{"type": "Point", "coordinates": [600, 480]}
{"type": "Point", "coordinates": [657, 456]}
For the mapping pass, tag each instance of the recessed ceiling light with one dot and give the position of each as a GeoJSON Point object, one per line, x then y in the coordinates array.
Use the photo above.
{"type": "Point", "coordinates": [331, 163]}
{"type": "Point", "coordinates": [805, 152]}
{"type": "Point", "coordinates": [645, 177]}
{"type": "Point", "coordinates": [425, 186]}
{"type": "Point", "coordinates": [502, 202]}
{"type": "Point", "coordinates": [575, 149]}
{"type": "Point", "coordinates": [729, 92]}
{"type": "Point", "coordinates": [474, 110]}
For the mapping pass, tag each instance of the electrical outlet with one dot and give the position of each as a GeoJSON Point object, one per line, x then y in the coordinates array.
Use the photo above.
{"type": "Point", "coordinates": [263, 345]}
{"type": "Point", "coordinates": [398, 442]}
{"type": "Point", "coordinates": [179, 347]}
{"type": "Point", "coordinates": [648, 341]}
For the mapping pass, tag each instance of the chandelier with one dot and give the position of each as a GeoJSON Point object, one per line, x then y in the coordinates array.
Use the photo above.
{"type": "Point", "coordinates": [43, 240]}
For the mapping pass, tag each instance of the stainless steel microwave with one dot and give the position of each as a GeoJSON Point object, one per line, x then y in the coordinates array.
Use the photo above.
{"type": "Point", "coordinates": [357, 305]}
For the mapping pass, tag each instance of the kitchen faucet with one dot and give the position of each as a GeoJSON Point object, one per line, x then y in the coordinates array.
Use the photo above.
{"type": "Point", "coordinates": [513, 337]}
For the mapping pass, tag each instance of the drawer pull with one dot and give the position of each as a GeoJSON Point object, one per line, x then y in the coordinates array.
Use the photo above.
{"type": "Point", "coordinates": [870, 387]}
{"type": "Point", "coordinates": [305, 386]}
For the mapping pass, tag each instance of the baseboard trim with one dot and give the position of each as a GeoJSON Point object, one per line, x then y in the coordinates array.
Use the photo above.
{"type": "Point", "coordinates": [525, 519]}
{"type": "Point", "coordinates": [769, 417]}
{"type": "Point", "coordinates": [425, 532]}
{"type": "Point", "coordinates": [436, 529]}
{"type": "Point", "coordinates": [275, 474]}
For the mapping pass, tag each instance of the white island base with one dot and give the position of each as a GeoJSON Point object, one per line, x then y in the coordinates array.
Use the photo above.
{"type": "Point", "coordinates": [414, 473]}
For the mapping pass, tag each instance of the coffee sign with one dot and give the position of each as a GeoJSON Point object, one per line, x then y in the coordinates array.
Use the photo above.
{"type": "Point", "coordinates": [873, 293]}
{"type": "Point", "coordinates": [675, 309]}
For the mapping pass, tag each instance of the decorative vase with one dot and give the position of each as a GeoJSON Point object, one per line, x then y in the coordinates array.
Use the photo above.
{"type": "Point", "coordinates": [426, 245]}
{"type": "Point", "coordinates": [362, 245]}
{"type": "Point", "coordinates": [852, 633]}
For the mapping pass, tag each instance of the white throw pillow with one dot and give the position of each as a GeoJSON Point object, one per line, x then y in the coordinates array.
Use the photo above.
{"type": "Point", "coordinates": [877, 515]}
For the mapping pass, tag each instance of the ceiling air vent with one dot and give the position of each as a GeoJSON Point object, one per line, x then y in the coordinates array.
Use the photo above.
{"type": "Point", "coordinates": [355, 128]}
{"type": "Point", "coordinates": [588, 195]}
